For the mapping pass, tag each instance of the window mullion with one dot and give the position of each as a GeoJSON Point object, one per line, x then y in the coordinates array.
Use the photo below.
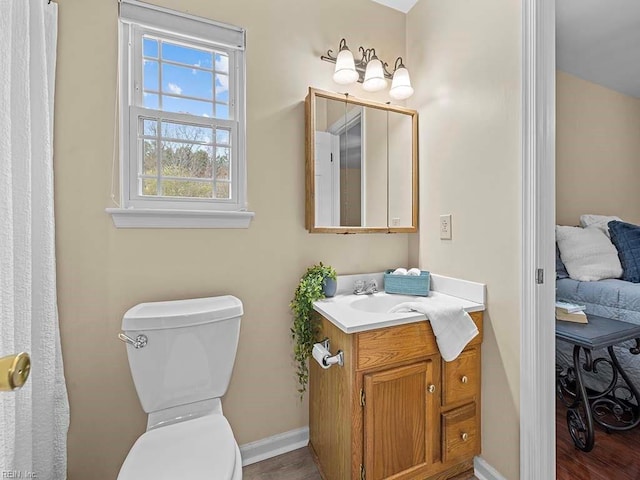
{"type": "Point", "coordinates": [159, 158]}
{"type": "Point", "coordinates": [160, 62]}
{"type": "Point", "coordinates": [214, 155]}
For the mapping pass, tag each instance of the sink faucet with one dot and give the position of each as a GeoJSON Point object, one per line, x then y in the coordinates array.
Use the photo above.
{"type": "Point", "coordinates": [362, 288]}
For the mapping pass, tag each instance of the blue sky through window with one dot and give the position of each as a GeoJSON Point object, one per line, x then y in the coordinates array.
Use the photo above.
{"type": "Point", "coordinates": [192, 77]}
{"type": "Point", "coordinates": [187, 81]}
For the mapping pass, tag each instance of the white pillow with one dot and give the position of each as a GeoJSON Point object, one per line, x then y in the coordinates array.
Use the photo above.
{"type": "Point", "coordinates": [587, 253]}
{"type": "Point", "coordinates": [598, 221]}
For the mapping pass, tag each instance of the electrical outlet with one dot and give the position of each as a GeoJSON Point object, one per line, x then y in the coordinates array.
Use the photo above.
{"type": "Point", "coordinates": [445, 227]}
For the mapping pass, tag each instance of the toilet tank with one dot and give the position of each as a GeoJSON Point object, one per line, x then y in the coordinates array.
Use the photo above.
{"type": "Point", "coordinates": [190, 351]}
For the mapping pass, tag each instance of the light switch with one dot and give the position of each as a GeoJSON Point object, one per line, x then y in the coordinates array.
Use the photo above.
{"type": "Point", "coordinates": [445, 227]}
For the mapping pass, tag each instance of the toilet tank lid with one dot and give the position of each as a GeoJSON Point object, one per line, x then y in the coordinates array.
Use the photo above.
{"type": "Point", "coordinates": [181, 313]}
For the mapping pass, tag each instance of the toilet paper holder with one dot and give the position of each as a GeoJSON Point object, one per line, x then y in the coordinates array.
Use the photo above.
{"type": "Point", "coordinates": [328, 360]}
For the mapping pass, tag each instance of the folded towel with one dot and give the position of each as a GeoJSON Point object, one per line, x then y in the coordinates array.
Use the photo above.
{"type": "Point", "coordinates": [452, 326]}
{"type": "Point", "coordinates": [414, 272]}
{"type": "Point", "coordinates": [399, 271]}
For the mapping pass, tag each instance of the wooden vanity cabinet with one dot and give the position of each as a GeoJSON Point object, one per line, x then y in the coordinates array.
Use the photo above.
{"type": "Point", "coordinates": [396, 410]}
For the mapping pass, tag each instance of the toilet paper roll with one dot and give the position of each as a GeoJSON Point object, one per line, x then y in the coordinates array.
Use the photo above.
{"type": "Point", "coordinates": [414, 272]}
{"type": "Point", "coordinates": [399, 271]}
{"type": "Point", "coordinates": [319, 353]}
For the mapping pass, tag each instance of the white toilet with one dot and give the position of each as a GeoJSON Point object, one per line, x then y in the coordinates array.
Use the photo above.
{"type": "Point", "coordinates": [181, 355]}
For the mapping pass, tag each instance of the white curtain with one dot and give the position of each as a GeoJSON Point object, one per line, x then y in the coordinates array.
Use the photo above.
{"type": "Point", "coordinates": [34, 420]}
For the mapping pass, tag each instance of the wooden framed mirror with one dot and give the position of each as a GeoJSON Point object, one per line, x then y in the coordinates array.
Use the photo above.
{"type": "Point", "coordinates": [361, 165]}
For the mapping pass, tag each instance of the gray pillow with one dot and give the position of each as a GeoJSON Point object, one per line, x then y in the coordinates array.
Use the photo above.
{"type": "Point", "coordinates": [598, 221]}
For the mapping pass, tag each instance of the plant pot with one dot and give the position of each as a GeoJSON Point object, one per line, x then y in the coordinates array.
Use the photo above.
{"type": "Point", "coordinates": [329, 286]}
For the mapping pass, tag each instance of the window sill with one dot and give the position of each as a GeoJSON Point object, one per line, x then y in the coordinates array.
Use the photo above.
{"type": "Point", "coordinates": [151, 218]}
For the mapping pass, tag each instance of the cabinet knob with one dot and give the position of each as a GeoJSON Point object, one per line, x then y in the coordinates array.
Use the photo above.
{"type": "Point", "coordinates": [431, 388]}
{"type": "Point", "coordinates": [464, 379]}
{"type": "Point", "coordinates": [464, 436]}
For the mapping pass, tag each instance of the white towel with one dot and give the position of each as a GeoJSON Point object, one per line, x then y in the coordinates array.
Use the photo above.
{"type": "Point", "coordinates": [452, 326]}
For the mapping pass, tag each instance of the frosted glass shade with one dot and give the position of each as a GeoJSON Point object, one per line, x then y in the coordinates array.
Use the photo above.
{"type": "Point", "coordinates": [401, 85]}
{"type": "Point", "coordinates": [345, 72]}
{"type": "Point", "coordinates": [374, 76]}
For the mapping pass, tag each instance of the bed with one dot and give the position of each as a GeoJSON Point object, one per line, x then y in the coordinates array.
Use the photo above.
{"type": "Point", "coordinates": [610, 298]}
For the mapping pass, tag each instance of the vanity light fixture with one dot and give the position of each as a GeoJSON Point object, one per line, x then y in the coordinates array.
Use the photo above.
{"type": "Point", "coordinates": [370, 71]}
{"type": "Point", "coordinates": [374, 74]}
{"type": "Point", "coordinates": [401, 85]}
{"type": "Point", "coordinates": [345, 72]}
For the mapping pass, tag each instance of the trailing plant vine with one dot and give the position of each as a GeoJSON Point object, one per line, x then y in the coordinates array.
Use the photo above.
{"type": "Point", "coordinates": [305, 324]}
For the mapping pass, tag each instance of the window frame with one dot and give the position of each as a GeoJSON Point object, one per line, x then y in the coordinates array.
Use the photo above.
{"type": "Point", "coordinates": [132, 111]}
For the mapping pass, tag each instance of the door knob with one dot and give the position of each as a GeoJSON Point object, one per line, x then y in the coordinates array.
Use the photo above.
{"type": "Point", "coordinates": [431, 388]}
{"type": "Point", "coordinates": [14, 371]}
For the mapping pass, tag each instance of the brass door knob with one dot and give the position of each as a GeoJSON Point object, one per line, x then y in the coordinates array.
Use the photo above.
{"type": "Point", "coordinates": [464, 379]}
{"type": "Point", "coordinates": [464, 436]}
{"type": "Point", "coordinates": [14, 371]}
{"type": "Point", "coordinates": [431, 388]}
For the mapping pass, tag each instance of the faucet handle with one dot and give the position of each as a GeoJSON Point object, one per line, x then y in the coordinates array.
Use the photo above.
{"type": "Point", "coordinates": [358, 286]}
{"type": "Point", "coordinates": [372, 286]}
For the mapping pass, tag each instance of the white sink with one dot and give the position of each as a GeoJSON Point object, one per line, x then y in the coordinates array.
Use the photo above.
{"type": "Point", "coordinates": [380, 302]}
{"type": "Point", "coordinates": [359, 313]}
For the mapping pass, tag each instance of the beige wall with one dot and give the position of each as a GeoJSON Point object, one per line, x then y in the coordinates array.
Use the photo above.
{"type": "Point", "coordinates": [102, 271]}
{"type": "Point", "coordinates": [464, 58]}
{"type": "Point", "coordinates": [597, 151]}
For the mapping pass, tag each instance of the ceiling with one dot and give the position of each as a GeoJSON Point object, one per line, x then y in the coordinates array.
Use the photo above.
{"type": "Point", "coordinates": [596, 40]}
{"type": "Point", "coordinates": [599, 41]}
{"type": "Point", "coordinates": [403, 5]}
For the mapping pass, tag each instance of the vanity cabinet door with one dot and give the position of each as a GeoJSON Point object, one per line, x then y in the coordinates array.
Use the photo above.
{"type": "Point", "coordinates": [401, 423]}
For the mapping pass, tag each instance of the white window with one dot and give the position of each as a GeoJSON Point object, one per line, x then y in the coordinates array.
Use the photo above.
{"type": "Point", "coordinates": [182, 126]}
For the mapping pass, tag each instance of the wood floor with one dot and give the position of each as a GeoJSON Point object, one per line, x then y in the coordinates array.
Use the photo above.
{"type": "Point", "coordinates": [615, 456]}
{"type": "Point", "coordinates": [296, 465]}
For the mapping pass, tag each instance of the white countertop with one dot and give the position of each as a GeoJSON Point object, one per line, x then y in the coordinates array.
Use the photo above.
{"type": "Point", "coordinates": [468, 295]}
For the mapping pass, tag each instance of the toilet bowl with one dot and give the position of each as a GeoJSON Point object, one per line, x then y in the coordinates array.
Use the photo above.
{"type": "Point", "coordinates": [181, 355]}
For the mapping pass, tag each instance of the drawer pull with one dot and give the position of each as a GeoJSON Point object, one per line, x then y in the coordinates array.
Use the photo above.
{"type": "Point", "coordinates": [464, 436]}
{"type": "Point", "coordinates": [431, 388]}
{"type": "Point", "coordinates": [464, 379]}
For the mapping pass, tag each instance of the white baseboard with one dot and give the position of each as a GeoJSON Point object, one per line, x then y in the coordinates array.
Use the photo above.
{"type": "Point", "coordinates": [273, 446]}
{"type": "Point", "coordinates": [293, 439]}
{"type": "Point", "coordinates": [484, 471]}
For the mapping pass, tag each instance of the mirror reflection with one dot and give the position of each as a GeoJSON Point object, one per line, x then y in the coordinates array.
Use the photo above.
{"type": "Point", "coordinates": [363, 165]}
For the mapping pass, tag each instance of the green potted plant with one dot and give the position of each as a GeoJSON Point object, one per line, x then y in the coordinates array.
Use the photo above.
{"type": "Point", "coordinates": [305, 326]}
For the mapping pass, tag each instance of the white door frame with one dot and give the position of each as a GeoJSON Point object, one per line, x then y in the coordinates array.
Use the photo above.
{"type": "Point", "coordinates": [537, 326]}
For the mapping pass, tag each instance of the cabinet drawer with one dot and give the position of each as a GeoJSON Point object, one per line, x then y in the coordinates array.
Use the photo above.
{"type": "Point", "coordinates": [462, 377]}
{"type": "Point", "coordinates": [460, 433]}
{"type": "Point", "coordinates": [391, 345]}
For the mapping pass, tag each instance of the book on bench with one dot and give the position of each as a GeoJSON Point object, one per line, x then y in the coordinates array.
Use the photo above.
{"type": "Point", "coordinates": [577, 317]}
{"type": "Point", "coordinates": [570, 307]}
